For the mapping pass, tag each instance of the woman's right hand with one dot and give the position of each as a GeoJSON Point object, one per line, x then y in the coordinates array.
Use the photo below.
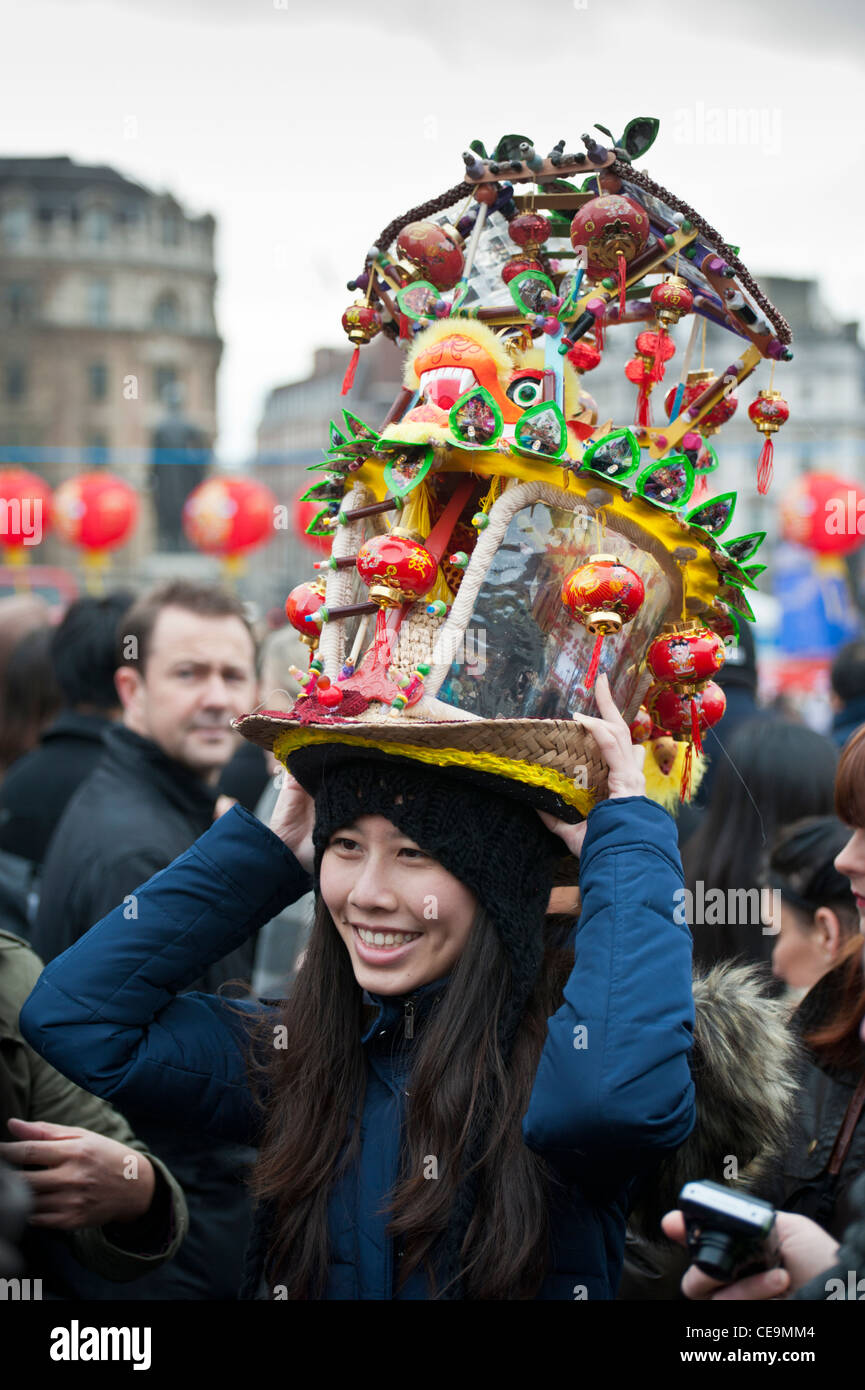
{"type": "Point", "coordinates": [293, 818]}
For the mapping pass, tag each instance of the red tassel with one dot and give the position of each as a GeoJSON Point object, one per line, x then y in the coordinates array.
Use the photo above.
{"type": "Point", "coordinates": [594, 663]}
{"type": "Point", "coordinates": [348, 379]}
{"type": "Point", "coordinates": [622, 271]}
{"type": "Point", "coordinates": [599, 333]}
{"type": "Point", "coordinates": [685, 789]}
{"type": "Point", "coordinates": [695, 727]}
{"type": "Point", "coordinates": [404, 328]}
{"type": "Point", "coordinates": [643, 416]}
{"type": "Point", "coordinates": [765, 467]}
{"type": "Point", "coordinates": [701, 487]}
{"type": "Point", "coordinates": [658, 364]}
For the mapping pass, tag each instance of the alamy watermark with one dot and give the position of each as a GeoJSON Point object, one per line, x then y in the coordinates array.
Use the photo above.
{"type": "Point", "coordinates": [756, 126]}
{"type": "Point", "coordinates": [713, 907]}
{"type": "Point", "coordinates": [21, 518]}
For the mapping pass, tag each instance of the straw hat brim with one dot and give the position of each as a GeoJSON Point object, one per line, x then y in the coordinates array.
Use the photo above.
{"type": "Point", "coordinates": [552, 764]}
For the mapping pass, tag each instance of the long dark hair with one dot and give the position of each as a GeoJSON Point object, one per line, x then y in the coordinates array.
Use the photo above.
{"type": "Point", "coordinates": [788, 770]}
{"type": "Point", "coordinates": [460, 1086]}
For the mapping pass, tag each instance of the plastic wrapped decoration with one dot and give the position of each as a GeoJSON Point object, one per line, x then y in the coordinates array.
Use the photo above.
{"type": "Point", "coordinates": [499, 475]}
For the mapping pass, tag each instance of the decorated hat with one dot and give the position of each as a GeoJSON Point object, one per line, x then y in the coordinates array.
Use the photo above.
{"type": "Point", "coordinates": [497, 539]}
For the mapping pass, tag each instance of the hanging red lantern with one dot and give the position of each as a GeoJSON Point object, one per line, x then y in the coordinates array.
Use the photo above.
{"type": "Point", "coordinates": [529, 230]}
{"type": "Point", "coordinates": [361, 322]}
{"type": "Point", "coordinates": [583, 357]}
{"type": "Point", "coordinates": [25, 500]}
{"type": "Point", "coordinates": [396, 567]}
{"type": "Point", "coordinates": [696, 384]}
{"type": "Point", "coordinates": [685, 713]}
{"type": "Point", "coordinates": [434, 252]}
{"type": "Point", "coordinates": [690, 653]}
{"type": "Point", "coordinates": [603, 595]}
{"type": "Point", "coordinates": [647, 368]}
{"type": "Point", "coordinates": [614, 230]}
{"type": "Point", "coordinates": [517, 264]}
{"type": "Point", "coordinates": [768, 412]}
{"type": "Point", "coordinates": [824, 513]}
{"type": "Point", "coordinates": [671, 299]}
{"type": "Point", "coordinates": [302, 603]}
{"type": "Point", "coordinates": [228, 516]}
{"type": "Point", "coordinates": [95, 511]}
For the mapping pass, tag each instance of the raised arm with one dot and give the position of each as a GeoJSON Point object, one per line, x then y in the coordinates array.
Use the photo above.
{"type": "Point", "coordinates": [107, 1013]}
{"type": "Point", "coordinates": [613, 1090]}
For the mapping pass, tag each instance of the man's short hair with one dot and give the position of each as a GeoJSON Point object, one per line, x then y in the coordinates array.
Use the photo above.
{"type": "Point", "coordinates": [135, 632]}
{"type": "Point", "coordinates": [83, 650]}
{"type": "Point", "coordinates": [848, 671]}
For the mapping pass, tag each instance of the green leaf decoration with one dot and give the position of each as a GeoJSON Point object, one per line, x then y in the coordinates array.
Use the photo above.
{"type": "Point", "coordinates": [735, 598]}
{"type": "Point", "coordinates": [357, 427]}
{"type": "Point", "coordinates": [509, 147]}
{"type": "Point", "coordinates": [639, 135]}
{"type": "Point", "coordinates": [726, 623]}
{"type": "Point", "coordinates": [479, 148]}
{"type": "Point", "coordinates": [754, 571]}
{"type": "Point", "coordinates": [330, 464]}
{"type": "Point", "coordinates": [668, 483]}
{"type": "Point", "coordinates": [475, 420]}
{"type": "Point", "coordinates": [707, 468]}
{"type": "Point", "coordinates": [532, 292]}
{"type": "Point", "coordinates": [337, 438]}
{"type": "Point", "coordinates": [598, 126]}
{"type": "Point", "coordinates": [743, 547]}
{"type": "Point", "coordinates": [316, 528]}
{"type": "Point", "coordinates": [330, 487]}
{"type": "Point", "coordinates": [615, 456]}
{"type": "Point", "coordinates": [541, 430]}
{"type": "Point", "coordinates": [403, 473]}
{"type": "Point", "coordinates": [418, 300]}
{"type": "Point", "coordinates": [715, 515]}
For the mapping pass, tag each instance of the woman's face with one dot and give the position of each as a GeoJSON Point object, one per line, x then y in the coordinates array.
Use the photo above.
{"type": "Point", "coordinates": [851, 863]}
{"type": "Point", "coordinates": [801, 955]}
{"type": "Point", "coordinates": [404, 919]}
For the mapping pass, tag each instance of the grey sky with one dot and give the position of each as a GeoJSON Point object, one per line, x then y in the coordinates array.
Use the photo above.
{"type": "Point", "coordinates": [305, 127]}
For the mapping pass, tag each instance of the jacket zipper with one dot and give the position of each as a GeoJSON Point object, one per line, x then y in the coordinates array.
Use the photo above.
{"type": "Point", "coordinates": [408, 1019]}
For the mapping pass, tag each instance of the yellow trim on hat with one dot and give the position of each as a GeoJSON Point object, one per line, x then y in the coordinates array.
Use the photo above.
{"type": "Point", "coordinates": [582, 798]}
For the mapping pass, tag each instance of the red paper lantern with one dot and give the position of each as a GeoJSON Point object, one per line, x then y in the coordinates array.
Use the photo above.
{"type": "Point", "coordinates": [824, 513]}
{"type": "Point", "coordinates": [361, 322]}
{"type": "Point", "coordinates": [396, 567]}
{"type": "Point", "coordinates": [602, 594]}
{"type": "Point", "coordinates": [529, 230]}
{"type": "Point", "coordinates": [675, 711]}
{"type": "Point", "coordinates": [25, 512]}
{"type": "Point", "coordinates": [517, 264]}
{"type": "Point", "coordinates": [227, 516]}
{"type": "Point", "coordinates": [303, 601]}
{"type": "Point", "coordinates": [694, 387]}
{"type": "Point", "coordinates": [95, 511]}
{"type": "Point", "coordinates": [671, 299]}
{"type": "Point", "coordinates": [432, 250]}
{"type": "Point", "coordinates": [688, 655]}
{"type": "Point", "coordinates": [768, 412]}
{"type": "Point", "coordinates": [613, 230]}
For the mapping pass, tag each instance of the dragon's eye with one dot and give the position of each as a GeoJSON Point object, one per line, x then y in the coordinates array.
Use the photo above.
{"type": "Point", "coordinates": [525, 391]}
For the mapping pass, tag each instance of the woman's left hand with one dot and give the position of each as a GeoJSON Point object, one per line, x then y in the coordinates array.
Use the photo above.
{"type": "Point", "coordinates": [623, 758]}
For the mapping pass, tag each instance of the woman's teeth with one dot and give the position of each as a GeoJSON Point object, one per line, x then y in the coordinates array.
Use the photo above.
{"type": "Point", "coordinates": [387, 938]}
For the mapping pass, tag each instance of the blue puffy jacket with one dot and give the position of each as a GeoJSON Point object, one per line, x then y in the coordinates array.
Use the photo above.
{"type": "Point", "coordinates": [613, 1092]}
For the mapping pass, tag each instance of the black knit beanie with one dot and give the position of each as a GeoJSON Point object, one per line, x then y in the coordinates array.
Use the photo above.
{"type": "Point", "coordinates": [497, 846]}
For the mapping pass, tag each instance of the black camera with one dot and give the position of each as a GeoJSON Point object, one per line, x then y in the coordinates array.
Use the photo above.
{"type": "Point", "coordinates": [730, 1234]}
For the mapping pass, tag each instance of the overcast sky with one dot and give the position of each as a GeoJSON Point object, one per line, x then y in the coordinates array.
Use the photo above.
{"type": "Point", "coordinates": [305, 125]}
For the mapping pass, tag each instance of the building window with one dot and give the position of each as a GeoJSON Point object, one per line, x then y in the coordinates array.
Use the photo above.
{"type": "Point", "coordinates": [97, 302]}
{"type": "Point", "coordinates": [165, 384]}
{"type": "Point", "coordinates": [170, 228]}
{"type": "Point", "coordinates": [15, 381]}
{"type": "Point", "coordinates": [97, 378]}
{"type": "Point", "coordinates": [166, 311]}
{"type": "Point", "coordinates": [96, 224]}
{"type": "Point", "coordinates": [96, 450]}
{"type": "Point", "coordinates": [15, 222]}
{"type": "Point", "coordinates": [19, 300]}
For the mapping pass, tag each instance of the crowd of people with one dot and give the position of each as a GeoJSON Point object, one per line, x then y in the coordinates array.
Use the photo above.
{"type": "Point", "coordinates": [330, 1032]}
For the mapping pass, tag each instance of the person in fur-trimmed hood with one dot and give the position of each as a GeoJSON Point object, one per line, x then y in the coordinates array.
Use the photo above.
{"type": "Point", "coordinates": [745, 1069]}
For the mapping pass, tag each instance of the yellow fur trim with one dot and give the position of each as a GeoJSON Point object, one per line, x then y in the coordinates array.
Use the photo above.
{"type": "Point", "coordinates": [417, 432]}
{"type": "Point", "coordinates": [467, 328]}
{"type": "Point", "coordinates": [579, 797]}
{"type": "Point", "coordinates": [666, 789]}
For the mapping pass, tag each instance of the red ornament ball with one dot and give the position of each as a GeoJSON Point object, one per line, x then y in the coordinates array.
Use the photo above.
{"type": "Point", "coordinates": [671, 709]}
{"type": "Point", "coordinates": [603, 594]}
{"type": "Point", "coordinates": [226, 516]}
{"type": "Point", "coordinates": [769, 411]}
{"type": "Point", "coordinates": [689, 655]}
{"type": "Point", "coordinates": [606, 226]}
{"type": "Point", "coordinates": [583, 357]}
{"type": "Point", "coordinates": [361, 322]}
{"type": "Point", "coordinates": [95, 511]}
{"type": "Point", "coordinates": [396, 567]}
{"type": "Point", "coordinates": [432, 251]}
{"type": "Point", "coordinates": [529, 230]}
{"type": "Point", "coordinates": [304, 600]}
